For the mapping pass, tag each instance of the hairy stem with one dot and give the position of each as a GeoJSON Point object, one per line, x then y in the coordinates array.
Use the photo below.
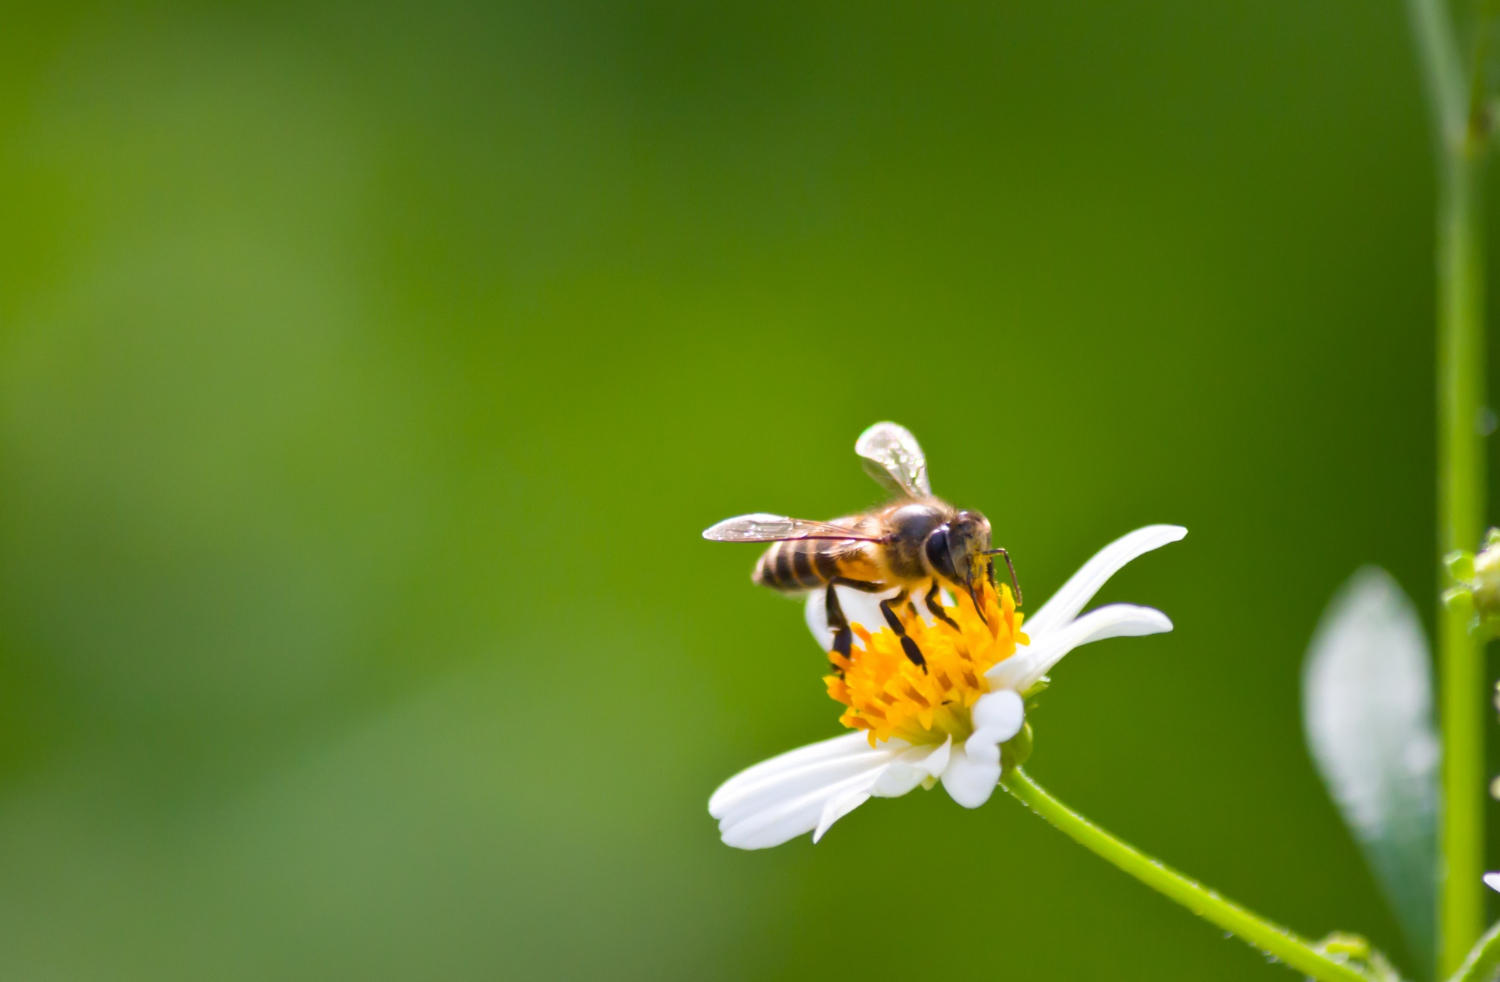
{"type": "Point", "coordinates": [1273, 939]}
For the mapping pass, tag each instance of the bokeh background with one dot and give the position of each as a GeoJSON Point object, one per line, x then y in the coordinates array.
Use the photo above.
{"type": "Point", "coordinates": [367, 372]}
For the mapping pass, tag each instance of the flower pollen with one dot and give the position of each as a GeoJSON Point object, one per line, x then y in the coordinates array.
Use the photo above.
{"type": "Point", "coordinates": [890, 696]}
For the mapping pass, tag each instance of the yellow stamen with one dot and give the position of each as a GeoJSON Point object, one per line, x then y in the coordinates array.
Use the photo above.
{"type": "Point", "coordinates": [889, 695]}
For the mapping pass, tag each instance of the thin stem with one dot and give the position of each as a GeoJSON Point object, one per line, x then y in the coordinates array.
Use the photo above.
{"type": "Point", "coordinates": [1483, 961]}
{"type": "Point", "coordinates": [1461, 117]}
{"type": "Point", "coordinates": [1297, 952]}
{"type": "Point", "coordinates": [1461, 508]}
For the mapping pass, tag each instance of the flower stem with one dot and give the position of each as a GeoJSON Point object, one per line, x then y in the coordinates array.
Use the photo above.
{"type": "Point", "coordinates": [1461, 482]}
{"type": "Point", "coordinates": [1295, 951]}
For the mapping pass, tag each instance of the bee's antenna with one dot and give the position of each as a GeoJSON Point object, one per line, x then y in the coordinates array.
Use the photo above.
{"type": "Point", "coordinates": [1010, 566]}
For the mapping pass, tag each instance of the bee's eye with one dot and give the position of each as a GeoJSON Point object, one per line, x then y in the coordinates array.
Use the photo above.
{"type": "Point", "coordinates": [937, 553]}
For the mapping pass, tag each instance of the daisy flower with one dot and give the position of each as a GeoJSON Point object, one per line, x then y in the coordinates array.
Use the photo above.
{"type": "Point", "coordinates": [920, 724]}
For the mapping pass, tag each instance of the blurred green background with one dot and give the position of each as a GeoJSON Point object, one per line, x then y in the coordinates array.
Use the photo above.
{"type": "Point", "coordinates": [368, 371]}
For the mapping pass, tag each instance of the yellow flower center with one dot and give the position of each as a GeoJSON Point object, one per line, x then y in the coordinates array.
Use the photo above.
{"type": "Point", "coordinates": [889, 695]}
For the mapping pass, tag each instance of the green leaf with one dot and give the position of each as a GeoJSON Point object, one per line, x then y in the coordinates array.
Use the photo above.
{"type": "Point", "coordinates": [1367, 709]}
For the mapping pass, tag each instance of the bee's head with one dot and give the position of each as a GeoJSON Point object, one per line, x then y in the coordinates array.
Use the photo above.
{"type": "Point", "coordinates": [959, 552]}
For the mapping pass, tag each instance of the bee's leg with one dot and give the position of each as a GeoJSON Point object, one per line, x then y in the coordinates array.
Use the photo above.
{"type": "Point", "coordinates": [894, 623]}
{"type": "Point", "coordinates": [887, 608]}
{"type": "Point", "coordinates": [843, 636]}
{"type": "Point", "coordinates": [935, 605]}
{"type": "Point", "coordinates": [863, 586]}
{"type": "Point", "coordinates": [1015, 583]}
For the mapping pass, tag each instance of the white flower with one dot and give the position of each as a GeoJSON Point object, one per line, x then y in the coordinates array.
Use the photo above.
{"type": "Point", "coordinates": [943, 723]}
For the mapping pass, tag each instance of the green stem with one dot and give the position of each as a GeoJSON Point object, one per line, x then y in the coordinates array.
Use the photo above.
{"type": "Point", "coordinates": [1460, 115]}
{"type": "Point", "coordinates": [1483, 961]}
{"type": "Point", "coordinates": [1461, 508]}
{"type": "Point", "coordinates": [1297, 952]}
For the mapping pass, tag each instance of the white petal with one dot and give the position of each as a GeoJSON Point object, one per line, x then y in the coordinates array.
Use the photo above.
{"type": "Point", "coordinates": [1081, 587]}
{"type": "Point", "coordinates": [864, 608]}
{"type": "Point", "coordinates": [815, 611]}
{"type": "Point", "coordinates": [912, 768]}
{"type": "Point", "coordinates": [784, 819]}
{"type": "Point", "coordinates": [919, 604]}
{"type": "Point", "coordinates": [849, 744]}
{"type": "Point", "coordinates": [997, 716]}
{"type": "Point", "coordinates": [837, 808]}
{"type": "Point", "coordinates": [935, 764]}
{"type": "Point", "coordinates": [1492, 880]}
{"type": "Point", "coordinates": [968, 781]}
{"type": "Point", "coordinates": [1021, 670]}
{"type": "Point", "coordinates": [791, 781]}
{"type": "Point", "coordinates": [897, 780]}
{"type": "Point", "coordinates": [808, 778]}
{"type": "Point", "coordinates": [794, 793]}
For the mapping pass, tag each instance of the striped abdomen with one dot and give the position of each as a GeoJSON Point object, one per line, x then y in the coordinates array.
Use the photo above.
{"type": "Point", "coordinates": [797, 564]}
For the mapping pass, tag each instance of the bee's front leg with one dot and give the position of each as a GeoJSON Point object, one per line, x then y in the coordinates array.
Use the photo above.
{"type": "Point", "coordinates": [935, 605]}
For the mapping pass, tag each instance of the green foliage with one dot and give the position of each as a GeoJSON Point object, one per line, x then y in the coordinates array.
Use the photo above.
{"type": "Point", "coordinates": [368, 371]}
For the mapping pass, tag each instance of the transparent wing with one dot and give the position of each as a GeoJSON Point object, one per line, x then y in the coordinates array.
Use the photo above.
{"type": "Point", "coordinates": [774, 528]}
{"type": "Point", "coordinates": [895, 459]}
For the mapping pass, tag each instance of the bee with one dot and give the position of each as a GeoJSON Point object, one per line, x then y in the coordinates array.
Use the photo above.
{"type": "Point", "coordinates": [915, 544]}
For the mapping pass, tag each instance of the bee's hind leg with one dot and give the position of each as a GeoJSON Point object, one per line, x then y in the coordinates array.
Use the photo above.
{"type": "Point", "coordinates": [843, 635]}
{"type": "Point", "coordinates": [887, 609]}
{"type": "Point", "coordinates": [838, 622]}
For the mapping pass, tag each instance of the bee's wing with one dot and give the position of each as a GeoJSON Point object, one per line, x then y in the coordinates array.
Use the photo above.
{"type": "Point", "coordinates": [761, 527]}
{"type": "Point", "coordinates": [895, 459]}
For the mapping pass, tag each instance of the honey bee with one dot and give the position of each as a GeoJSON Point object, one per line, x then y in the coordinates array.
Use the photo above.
{"type": "Point", "coordinates": [914, 544]}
